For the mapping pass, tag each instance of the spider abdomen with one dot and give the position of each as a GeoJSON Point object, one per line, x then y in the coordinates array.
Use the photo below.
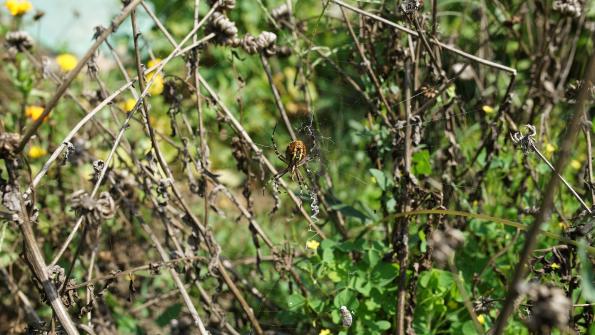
{"type": "Point", "coordinates": [296, 152]}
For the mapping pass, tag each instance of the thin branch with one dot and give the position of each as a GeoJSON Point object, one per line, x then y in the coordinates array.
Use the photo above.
{"type": "Point", "coordinates": [432, 41]}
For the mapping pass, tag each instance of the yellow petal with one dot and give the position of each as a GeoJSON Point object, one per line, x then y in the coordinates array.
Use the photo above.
{"type": "Point", "coordinates": [34, 112]}
{"type": "Point", "coordinates": [312, 244]}
{"type": "Point", "coordinates": [488, 109]}
{"type": "Point", "coordinates": [481, 319]}
{"type": "Point", "coordinates": [36, 151]}
{"type": "Point", "coordinates": [18, 7]}
{"type": "Point", "coordinates": [153, 62]}
{"type": "Point", "coordinates": [157, 86]}
{"type": "Point", "coordinates": [66, 62]}
{"type": "Point", "coordinates": [549, 148]}
{"type": "Point", "coordinates": [325, 332]}
{"type": "Point", "coordinates": [127, 105]}
{"type": "Point", "coordinates": [576, 164]}
{"type": "Point", "coordinates": [555, 266]}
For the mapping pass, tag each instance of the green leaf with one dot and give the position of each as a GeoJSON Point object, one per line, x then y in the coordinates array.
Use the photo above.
{"type": "Point", "coordinates": [334, 276]}
{"type": "Point", "coordinates": [295, 301]}
{"type": "Point", "coordinates": [363, 286]}
{"type": "Point", "coordinates": [170, 313]}
{"type": "Point", "coordinates": [380, 177]}
{"type": "Point", "coordinates": [587, 288]}
{"type": "Point", "coordinates": [346, 298]}
{"type": "Point", "coordinates": [316, 304]}
{"type": "Point", "coordinates": [383, 325]}
{"type": "Point", "coordinates": [468, 328]}
{"type": "Point", "coordinates": [421, 163]}
{"type": "Point", "coordinates": [350, 211]}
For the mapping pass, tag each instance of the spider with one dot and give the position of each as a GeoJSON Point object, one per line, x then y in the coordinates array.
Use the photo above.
{"type": "Point", "coordinates": [296, 155]}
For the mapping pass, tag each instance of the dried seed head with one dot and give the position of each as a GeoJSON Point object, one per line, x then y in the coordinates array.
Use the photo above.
{"type": "Point", "coordinates": [18, 41]}
{"type": "Point", "coordinates": [280, 13]}
{"type": "Point", "coordinates": [224, 5]}
{"type": "Point", "coordinates": [223, 25]}
{"type": "Point", "coordinates": [550, 307]}
{"type": "Point", "coordinates": [444, 243]}
{"type": "Point", "coordinates": [572, 8]}
{"type": "Point", "coordinates": [346, 317]}
{"type": "Point", "coordinates": [411, 6]}
{"type": "Point", "coordinates": [8, 144]}
{"type": "Point", "coordinates": [95, 210]}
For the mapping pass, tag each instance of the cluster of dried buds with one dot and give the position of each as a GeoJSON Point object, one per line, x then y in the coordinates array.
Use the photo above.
{"type": "Point", "coordinates": [18, 41]}
{"type": "Point", "coordinates": [227, 33]}
{"type": "Point", "coordinates": [280, 13]}
{"type": "Point", "coordinates": [94, 210]}
{"type": "Point", "coordinates": [444, 244]}
{"type": "Point", "coordinates": [549, 307]}
{"type": "Point", "coordinates": [572, 8]}
{"type": "Point", "coordinates": [69, 296]}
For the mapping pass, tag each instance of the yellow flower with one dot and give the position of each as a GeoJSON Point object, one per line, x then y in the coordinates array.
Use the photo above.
{"type": "Point", "coordinates": [153, 62]}
{"type": "Point", "coordinates": [549, 148]}
{"type": "Point", "coordinates": [127, 105]}
{"type": "Point", "coordinates": [34, 112]}
{"type": "Point", "coordinates": [562, 225]}
{"type": "Point", "coordinates": [312, 244]}
{"type": "Point", "coordinates": [18, 7]}
{"type": "Point", "coordinates": [66, 62]}
{"type": "Point", "coordinates": [157, 86]}
{"type": "Point", "coordinates": [36, 151]}
{"type": "Point", "coordinates": [325, 332]}
{"type": "Point", "coordinates": [555, 266]}
{"type": "Point", "coordinates": [488, 109]}
{"type": "Point", "coordinates": [481, 319]}
{"type": "Point", "coordinates": [576, 164]}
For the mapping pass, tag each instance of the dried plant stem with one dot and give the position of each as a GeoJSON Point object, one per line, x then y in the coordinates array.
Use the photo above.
{"type": "Point", "coordinates": [369, 69]}
{"type": "Point", "coordinates": [35, 258]}
{"type": "Point", "coordinates": [180, 285]}
{"type": "Point", "coordinates": [548, 200]}
{"type": "Point", "coordinates": [463, 292]}
{"type": "Point", "coordinates": [277, 96]}
{"type": "Point", "coordinates": [547, 162]}
{"type": "Point", "coordinates": [432, 41]}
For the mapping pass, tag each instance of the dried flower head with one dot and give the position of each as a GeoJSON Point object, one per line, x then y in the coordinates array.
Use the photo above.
{"type": "Point", "coordinates": [346, 317]}
{"type": "Point", "coordinates": [8, 144]}
{"type": "Point", "coordinates": [550, 307]}
{"type": "Point", "coordinates": [444, 244]}
{"type": "Point", "coordinates": [264, 42]}
{"type": "Point", "coordinates": [572, 8]}
{"type": "Point", "coordinates": [223, 26]}
{"type": "Point", "coordinates": [280, 13]}
{"type": "Point", "coordinates": [18, 41]}
{"type": "Point", "coordinates": [94, 210]}
{"type": "Point", "coordinates": [224, 5]}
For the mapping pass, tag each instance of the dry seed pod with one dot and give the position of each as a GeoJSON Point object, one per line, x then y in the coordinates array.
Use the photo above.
{"type": "Point", "coordinates": [346, 317]}
{"type": "Point", "coordinates": [18, 41]}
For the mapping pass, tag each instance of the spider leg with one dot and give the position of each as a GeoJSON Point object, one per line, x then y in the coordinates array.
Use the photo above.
{"type": "Point", "coordinates": [281, 173]}
{"type": "Point", "coordinates": [300, 180]}
{"type": "Point", "coordinates": [277, 153]}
